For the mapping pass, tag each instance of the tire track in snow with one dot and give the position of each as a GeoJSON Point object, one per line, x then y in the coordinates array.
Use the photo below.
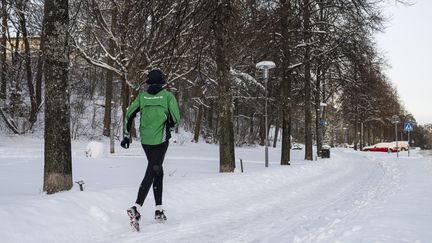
{"type": "Point", "coordinates": [371, 190]}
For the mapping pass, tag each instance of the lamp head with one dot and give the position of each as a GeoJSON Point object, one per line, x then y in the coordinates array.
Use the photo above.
{"type": "Point", "coordinates": [265, 65]}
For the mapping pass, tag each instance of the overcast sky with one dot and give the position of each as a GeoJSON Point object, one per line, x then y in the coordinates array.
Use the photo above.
{"type": "Point", "coordinates": [407, 46]}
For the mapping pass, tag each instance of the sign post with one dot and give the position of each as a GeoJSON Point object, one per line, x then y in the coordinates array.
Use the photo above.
{"type": "Point", "coordinates": [408, 127]}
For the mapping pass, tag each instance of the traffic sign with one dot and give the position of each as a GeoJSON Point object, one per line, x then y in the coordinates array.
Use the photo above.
{"type": "Point", "coordinates": [408, 126]}
{"type": "Point", "coordinates": [395, 119]}
{"type": "Point", "coordinates": [322, 122]}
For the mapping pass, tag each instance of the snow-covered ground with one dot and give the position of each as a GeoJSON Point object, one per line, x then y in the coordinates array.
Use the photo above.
{"type": "Point", "coordinates": [351, 197]}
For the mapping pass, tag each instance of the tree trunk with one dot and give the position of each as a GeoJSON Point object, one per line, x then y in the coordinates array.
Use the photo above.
{"type": "Point", "coordinates": [286, 83]}
{"type": "Point", "coordinates": [39, 73]}
{"type": "Point", "coordinates": [355, 135]}
{"type": "Point", "coordinates": [58, 161]}
{"type": "Point", "coordinates": [9, 122]}
{"type": "Point", "coordinates": [318, 128]}
{"type": "Point", "coordinates": [276, 132]}
{"type": "Point", "coordinates": [251, 129]}
{"type": "Point", "coordinates": [110, 76]}
{"type": "Point", "coordinates": [125, 89]}
{"type": "Point", "coordinates": [124, 97]}
{"type": "Point", "coordinates": [108, 104]}
{"type": "Point", "coordinates": [16, 90]}
{"type": "Point", "coordinates": [222, 33]}
{"type": "Point", "coordinates": [198, 122]}
{"type": "Point", "coordinates": [307, 80]}
{"type": "Point", "coordinates": [3, 70]}
{"type": "Point", "coordinates": [27, 57]}
{"type": "Point", "coordinates": [210, 116]}
{"type": "Point", "coordinates": [262, 131]}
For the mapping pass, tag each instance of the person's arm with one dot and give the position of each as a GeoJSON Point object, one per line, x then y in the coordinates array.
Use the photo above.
{"type": "Point", "coordinates": [131, 112]}
{"type": "Point", "coordinates": [174, 111]}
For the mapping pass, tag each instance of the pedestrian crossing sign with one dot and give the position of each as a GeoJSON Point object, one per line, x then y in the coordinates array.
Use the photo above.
{"type": "Point", "coordinates": [408, 126]}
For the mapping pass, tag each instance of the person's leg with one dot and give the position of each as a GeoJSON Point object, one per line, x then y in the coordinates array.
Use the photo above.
{"type": "Point", "coordinates": [155, 155]}
{"type": "Point", "coordinates": [158, 180]}
{"type": "Point", "coordinates": [148, 177]}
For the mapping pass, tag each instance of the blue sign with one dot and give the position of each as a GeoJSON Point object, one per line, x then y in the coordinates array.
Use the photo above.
{"type": "Point", "coordinates": [408, 126]}
{"type": "Point", "coordinates": [322, 122]}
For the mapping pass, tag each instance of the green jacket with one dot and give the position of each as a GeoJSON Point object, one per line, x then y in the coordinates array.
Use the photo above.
{"type": "Point", "coordinates": [158, 114]}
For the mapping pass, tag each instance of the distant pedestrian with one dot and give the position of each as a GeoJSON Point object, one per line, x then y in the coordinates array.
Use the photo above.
{"type": "Point", "coordinates": [159, 116]}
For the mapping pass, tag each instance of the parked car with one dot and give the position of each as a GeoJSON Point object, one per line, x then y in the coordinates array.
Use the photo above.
{"type": "Point", "coordinates": [402, 145]}
{"type": "Point", "coordinates": [381, 147]}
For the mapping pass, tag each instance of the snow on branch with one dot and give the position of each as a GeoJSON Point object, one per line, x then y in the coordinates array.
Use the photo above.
{"type": "Point", "coordinates": [245, 80]}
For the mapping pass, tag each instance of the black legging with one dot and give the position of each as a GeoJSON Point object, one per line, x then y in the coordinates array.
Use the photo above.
{"type": "Point", "coordinates": [154, 173]}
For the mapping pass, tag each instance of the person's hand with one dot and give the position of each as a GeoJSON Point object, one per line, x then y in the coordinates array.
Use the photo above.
{"type": "Point", "coordinates": [125, 142]}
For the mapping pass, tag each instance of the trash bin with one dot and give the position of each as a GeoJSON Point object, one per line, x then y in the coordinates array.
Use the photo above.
{"type": "Point", "coordinates": [325, 152]}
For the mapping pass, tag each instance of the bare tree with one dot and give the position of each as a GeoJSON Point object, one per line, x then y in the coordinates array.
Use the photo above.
{"type": "Point", "coordinates": [285, 14]}
{"type": "Point", "coordinates": [21, 9]}
{"type": "Point", "coordinates": [222, 33]}
{"type": "Point", "coordinates": [110, 75]}
{"type": "Point", "coordinates": [307, 79]}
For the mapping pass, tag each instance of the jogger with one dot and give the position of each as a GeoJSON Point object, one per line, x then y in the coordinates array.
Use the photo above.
{"type": "Point", "coordinates": [159, 115]}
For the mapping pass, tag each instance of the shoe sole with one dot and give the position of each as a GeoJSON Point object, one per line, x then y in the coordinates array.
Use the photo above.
{"type": "Point", "coordinates": [133, 222]}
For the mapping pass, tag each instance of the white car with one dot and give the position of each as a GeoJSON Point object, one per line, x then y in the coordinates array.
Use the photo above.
{"type": "Point", "coordinates": [402, 145]}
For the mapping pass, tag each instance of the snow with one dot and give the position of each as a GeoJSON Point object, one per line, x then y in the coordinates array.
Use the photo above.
{"type": "Point", "coordinates": [351, 197]}
{"type": "Point", "coordinates": [95, 149]}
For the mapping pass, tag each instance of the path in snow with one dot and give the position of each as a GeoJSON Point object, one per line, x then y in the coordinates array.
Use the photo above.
{"type": "Point", "coordinates": [307, 202]}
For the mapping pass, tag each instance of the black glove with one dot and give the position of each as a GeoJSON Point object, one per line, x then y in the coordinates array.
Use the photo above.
{"type": "Point", "coordinates": [125, 142]}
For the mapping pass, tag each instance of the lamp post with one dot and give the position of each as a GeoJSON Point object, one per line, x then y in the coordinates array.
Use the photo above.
{"type": "Point", "coordinates": [395, 120]}
{"type": "Point", "coordinates": [265, 66]}
{"type": "Point", "coordinates": [322, 124]}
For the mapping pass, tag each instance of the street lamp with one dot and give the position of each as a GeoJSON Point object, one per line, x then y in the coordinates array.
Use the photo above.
{"type": "Point", "coordinates": [322, 123]}
{"type": "Point", "coordinates": [265, 66]}
{"type": "Point", "coordinates": [395, 120]}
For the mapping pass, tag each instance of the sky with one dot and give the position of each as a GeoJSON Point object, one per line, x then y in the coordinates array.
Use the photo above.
{"type": "Point", "coordinates": [407, 45]}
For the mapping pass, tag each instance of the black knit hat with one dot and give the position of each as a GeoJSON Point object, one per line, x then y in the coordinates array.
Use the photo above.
{"type": "Point", "coordinates": [155, 76]}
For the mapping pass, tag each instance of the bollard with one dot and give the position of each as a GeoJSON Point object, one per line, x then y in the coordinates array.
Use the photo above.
{"type": "Point", "coordinates": [241, 165]}
{"type": "Point", "coordinates": [80, 183]}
